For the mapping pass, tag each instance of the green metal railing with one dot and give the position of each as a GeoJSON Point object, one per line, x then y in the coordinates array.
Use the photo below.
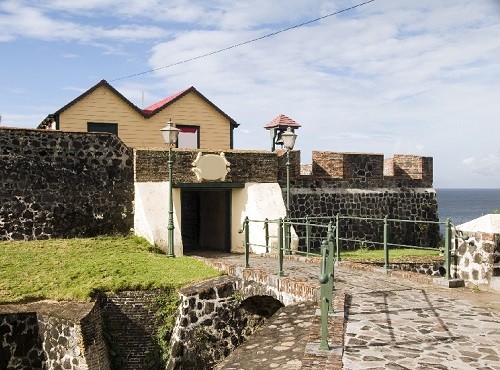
{"type": "Point", "coordinates": [327, 275]}
{"type": "Point", "coordinates": [337, 223]}
{"type": "Point", "coordinates": [331, 248]}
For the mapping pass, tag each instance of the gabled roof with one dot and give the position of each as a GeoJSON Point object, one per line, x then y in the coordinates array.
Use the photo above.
{"type": "Point", "coordinates": [158, 105]}
{"type": "Point", "coordinates": [282, 120]}
{"type": "Point", "coordinates": [162, 104]}
{"type": "Point", "coordinates": [152, 109]}
{"type": "Point", "coordinates": [95, 87]}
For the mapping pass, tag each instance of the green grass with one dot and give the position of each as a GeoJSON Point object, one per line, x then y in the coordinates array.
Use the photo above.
{"type": "Point", "coordinates": [395, 255]}
{"type": "Point", "coordinates": [75, 269]}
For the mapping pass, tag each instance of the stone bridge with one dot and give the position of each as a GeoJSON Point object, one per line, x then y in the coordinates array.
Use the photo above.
{"type": "Point", "coordinates": [217, 315]}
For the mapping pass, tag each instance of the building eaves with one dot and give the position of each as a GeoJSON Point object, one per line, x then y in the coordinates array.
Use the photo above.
{"type": "Point", "coordinates": [95, 87]}
{"type": "Point", "coordinates": [162, 104]}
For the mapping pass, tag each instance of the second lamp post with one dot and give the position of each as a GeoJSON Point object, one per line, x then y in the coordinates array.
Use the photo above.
{"type": "Point", "coordinates": [170, 134]}
{"type": "Point", "coordinates": [288, 138]}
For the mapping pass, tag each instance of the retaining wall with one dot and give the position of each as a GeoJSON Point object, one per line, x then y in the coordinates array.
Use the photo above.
{"type": "Point", "coordinates": [213, 320]}
{"type": "Point", "coordinates": [52, 336]}
{"type": "Point", "coordinates": [64, 184]}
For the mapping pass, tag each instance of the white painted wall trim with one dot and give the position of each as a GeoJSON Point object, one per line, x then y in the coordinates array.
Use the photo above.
{"type": "Point", "coordinates": [151, 214]}
{"type": "Point", "coordinates": [257, 201]}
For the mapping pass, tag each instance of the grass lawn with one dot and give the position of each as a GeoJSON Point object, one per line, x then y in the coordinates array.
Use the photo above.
{"type": "Point", "coordinates": [75, 269]}
{"type": "Point", "coordinates": [395, 255]}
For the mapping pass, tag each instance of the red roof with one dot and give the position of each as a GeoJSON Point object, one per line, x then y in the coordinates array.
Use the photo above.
{"type": "Point", "coordinates": [161, 103]}
{"type": "Point", "coordinates": [282, 120]}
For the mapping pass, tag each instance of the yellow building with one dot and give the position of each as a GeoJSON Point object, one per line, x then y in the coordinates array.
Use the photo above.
{"type": "Point", "coordinates": [103, 109]}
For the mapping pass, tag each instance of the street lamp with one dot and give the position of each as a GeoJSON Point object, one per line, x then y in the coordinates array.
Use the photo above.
{"type": "Point", "coordinates": [288, 137]}
{"type": "Point", "coordinates": [170, 134]}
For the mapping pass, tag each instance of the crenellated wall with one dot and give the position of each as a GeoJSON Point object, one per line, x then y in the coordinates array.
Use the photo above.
{"type": "Point", "coordinates": [364, 185]}
{"type": "Point", "coordinates": [358, 170]}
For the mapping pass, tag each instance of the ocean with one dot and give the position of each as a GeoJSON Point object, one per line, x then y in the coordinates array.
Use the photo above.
{"type": "Point", "coordinates": [463, 205]}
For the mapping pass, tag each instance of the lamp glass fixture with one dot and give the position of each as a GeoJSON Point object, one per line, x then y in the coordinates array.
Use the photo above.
{"type": "Point", "coordinates": [170, 133]}
{"type": "Point", "coordinates": [288, 138]}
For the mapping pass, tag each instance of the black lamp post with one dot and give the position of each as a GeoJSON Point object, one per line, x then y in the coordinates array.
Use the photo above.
{"type": "Point", "coordinates": [170, 134]}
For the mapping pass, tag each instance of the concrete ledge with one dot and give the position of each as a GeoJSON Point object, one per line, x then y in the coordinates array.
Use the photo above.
{"type": "Point", "coordinates": [449, 283]}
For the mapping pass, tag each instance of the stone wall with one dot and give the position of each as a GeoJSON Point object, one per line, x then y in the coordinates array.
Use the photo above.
{"type": "Point", "coordinates": [130, 329]}
{"type": "Point", "coordinates": [406, 203]}
{"type": "Point", "coordinates": [64, 184]}
{"type": "Point", "coordinates": [50, 340]}
{"type": "Point", "coordinates": [20, 345]}
{"type": "Point", "coordinates": [364, 185]}
{"type": "Point", "coordinates": [246, 166]}
{"type": "Point", "coordinates": [212, 321]}
{"type": "Point", "coordinates": [357, 170]}
{"type": "Point", "coordinates": [476, 254]}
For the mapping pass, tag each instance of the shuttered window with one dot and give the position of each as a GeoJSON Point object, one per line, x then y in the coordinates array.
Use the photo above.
{"type": "Point", "coordinates": [112, 128]}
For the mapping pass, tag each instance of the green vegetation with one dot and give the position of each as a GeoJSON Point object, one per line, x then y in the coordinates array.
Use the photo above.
{"type": "Point", "coordinates": [166, 306]}
{"type": "Point", "coordinates": [75, 269]}
{"type": "Point", "coordinates": [395, 255]}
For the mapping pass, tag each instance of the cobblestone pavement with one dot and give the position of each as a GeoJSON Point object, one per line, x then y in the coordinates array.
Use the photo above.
{"type": "Point", "coordinates": [392, 323]}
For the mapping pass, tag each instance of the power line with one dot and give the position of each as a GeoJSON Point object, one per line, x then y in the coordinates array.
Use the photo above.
{"type": "Point", "coordinates": [245, 42]}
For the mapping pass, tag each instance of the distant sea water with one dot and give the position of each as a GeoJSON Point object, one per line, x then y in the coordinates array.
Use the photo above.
{"type": "Point", "coordinates": [463, 205]}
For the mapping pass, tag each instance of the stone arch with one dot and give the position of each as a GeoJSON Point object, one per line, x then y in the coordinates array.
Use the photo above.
{"type": "Point", "coordinates": [261, 305]}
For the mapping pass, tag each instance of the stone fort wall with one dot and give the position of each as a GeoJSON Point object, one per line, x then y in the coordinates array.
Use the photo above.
{"type": "Point", "coordinates": [64, 184]}
{"type": "Point", "coordinates": [67, 184]}
{"type": "Point", "coordinates": [364, 185]}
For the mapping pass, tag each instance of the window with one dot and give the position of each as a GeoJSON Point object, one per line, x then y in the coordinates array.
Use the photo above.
{"type": "Point", "coordinates": [189, 137]}
{"type": "Point", "coordinates": [112, 128]}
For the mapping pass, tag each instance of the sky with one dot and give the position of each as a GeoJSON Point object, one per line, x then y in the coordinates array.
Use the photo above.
{"type": "Point", "coordinates": [390, 77]}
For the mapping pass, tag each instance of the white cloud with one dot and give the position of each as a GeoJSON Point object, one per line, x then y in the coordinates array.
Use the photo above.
{"type": "Point", "coordinates": [409, 76]}
{"type": "Point", "coordinates": [468, 161]}
{"type": "Point", "coordinates": [17, 20]}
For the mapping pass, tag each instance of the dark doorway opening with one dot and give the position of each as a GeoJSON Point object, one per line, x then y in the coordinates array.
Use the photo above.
{"type": "Point", "coordinates": [206, 220]}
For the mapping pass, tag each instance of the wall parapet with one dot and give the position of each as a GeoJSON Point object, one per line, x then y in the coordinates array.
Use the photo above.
{"type": "Point", "coordinates": [245, 165]}
{"type": "Point", "coordinates": [364, 170]}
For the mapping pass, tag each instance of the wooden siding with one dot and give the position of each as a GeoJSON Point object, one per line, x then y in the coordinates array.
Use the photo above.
{"type": "Point", "coordinates": [103, 105]}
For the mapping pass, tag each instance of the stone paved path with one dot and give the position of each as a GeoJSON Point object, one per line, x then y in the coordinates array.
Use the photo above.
{"type": "Point", "coordinates": [392, 323]}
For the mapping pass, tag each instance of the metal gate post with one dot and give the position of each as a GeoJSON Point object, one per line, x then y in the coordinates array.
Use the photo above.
{"type": "Point", "coordinates": [386, 247]}
{"type": "Point", "coordinates": [308, 236]}
{"type": "Point", "coordinates": [266, 231]}
{"type": "Point", "coordinates": [247, 242]}
{"type": "Point", "coordinates": [330, 266]}
{"type": "Point", "coordinates": [447, 248]}
{"type": "Point", "coordinates": [280, 247]}
{"type": "Point", "coordinates": [337, 235]}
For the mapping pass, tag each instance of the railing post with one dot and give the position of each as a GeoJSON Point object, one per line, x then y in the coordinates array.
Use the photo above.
{"type": "Point", "coordinates": [246, 227]}
{"type": "Point", "coordinates": [326, 280]}
{"type": "Point", "coordinates": [266, 231]}
{"type": "Point", "coordinates": [447, 248]}
{"type": "Point", "coordinates": [280, 247]}
{"type": "Point", "coordinates": [330, 265]}
{"type": "Point", "coordinates": [308, 236]}
{"type": "Point", "coordinates": [288, 236]}
{"type": "Point", "coordinates": [337, 235]}
{"type": "Point", "coordinates": [386, 247]}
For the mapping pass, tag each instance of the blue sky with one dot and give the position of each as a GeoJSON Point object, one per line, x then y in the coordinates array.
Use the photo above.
{"type": "Point", "coordinates": [391, 77]}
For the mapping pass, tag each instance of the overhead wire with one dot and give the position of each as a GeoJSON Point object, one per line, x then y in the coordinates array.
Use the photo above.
{"type": "Point", "coordinates": [244, 42]}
